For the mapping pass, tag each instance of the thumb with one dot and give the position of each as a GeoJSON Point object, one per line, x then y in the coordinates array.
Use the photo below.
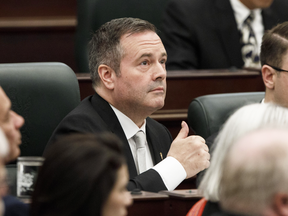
{"type": "Point", "coordinates": [183, 133]}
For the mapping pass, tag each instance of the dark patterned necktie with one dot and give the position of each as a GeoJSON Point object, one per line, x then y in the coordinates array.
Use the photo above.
{"type": "Point", "coordinates": [249, 44]}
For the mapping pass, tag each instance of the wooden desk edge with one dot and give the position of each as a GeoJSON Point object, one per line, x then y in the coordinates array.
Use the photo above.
{"type": "Point", "coordinates": [149, 195]}
{"type": "Point", "coordinates": [184, 193]}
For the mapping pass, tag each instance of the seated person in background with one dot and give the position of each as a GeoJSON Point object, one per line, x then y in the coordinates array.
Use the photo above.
{"type": "Point", "coordinates": [244, 120]}
{"type": "Point", "coordinates": [274, 61]}
{"type": "Point", "coordinates": [83, 174]}
{"type": "Point", "coordinates": [127, 65]}
{"type": "Point", "coordinates": [255, 176]}
{"type": "Point", "coordinates": [213, 34]}
{"type": "Point", "coordinates": [10, 123]}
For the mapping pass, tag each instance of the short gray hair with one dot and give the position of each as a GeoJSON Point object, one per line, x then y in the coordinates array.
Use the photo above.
{"type": "Point", "coordinates": [254, 171]}
{"type": "Point", "coordinates": [244, 120]}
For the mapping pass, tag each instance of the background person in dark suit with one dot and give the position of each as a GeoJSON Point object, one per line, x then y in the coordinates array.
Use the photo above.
{"type": "Point", "coordinates": [206, 34]}
{"type": "Point", "coordinates": [127, 65]}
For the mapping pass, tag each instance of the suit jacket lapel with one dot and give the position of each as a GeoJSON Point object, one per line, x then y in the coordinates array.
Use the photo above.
{"type": "Point", "coordinates": [226, 27]}
{"type": "Point", "coordinates": [155, 144]}
{"type": "Point", "coordinates": [108, 116]}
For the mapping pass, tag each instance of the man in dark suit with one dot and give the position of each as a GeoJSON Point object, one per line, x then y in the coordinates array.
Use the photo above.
{"type": "Point", "coordinates": [206, 34]}
{"type": "Point", "coordinates": [127, 65]}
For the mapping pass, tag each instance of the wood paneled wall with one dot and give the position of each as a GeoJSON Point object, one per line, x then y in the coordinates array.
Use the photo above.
{"type": "Point", "coordinates": [38, 31]}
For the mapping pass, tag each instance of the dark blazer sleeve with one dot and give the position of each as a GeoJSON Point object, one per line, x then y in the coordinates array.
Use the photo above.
{"type": "Point", "coordinates": [147, 181]}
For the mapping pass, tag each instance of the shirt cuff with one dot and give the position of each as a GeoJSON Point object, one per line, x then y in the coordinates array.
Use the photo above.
{"type": "Point", "coordinates": [171, 171]}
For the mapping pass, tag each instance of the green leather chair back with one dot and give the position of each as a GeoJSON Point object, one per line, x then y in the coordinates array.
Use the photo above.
{"type": "Point", "coordinates": [43, 93]}
{"type": "Point", "coordinates": [92, 14]}
{"type": "Point", "coordinates": [206, 114]}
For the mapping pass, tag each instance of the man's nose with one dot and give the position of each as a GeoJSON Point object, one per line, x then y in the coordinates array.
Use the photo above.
{"type": "Point", "coordinates": [160, 71]}
{"type": "Point", "coordinates": [17, 119]}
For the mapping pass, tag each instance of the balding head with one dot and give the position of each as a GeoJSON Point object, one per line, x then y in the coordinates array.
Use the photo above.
{"type": "Point", "coordinates": [255, 173]}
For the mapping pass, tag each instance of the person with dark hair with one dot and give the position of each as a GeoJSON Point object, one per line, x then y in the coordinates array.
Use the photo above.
{"type": "Point", "coordinates": [83, 174]}
{"type": "Point", "coordinates": [274, 60]}
{"type": "Point", "coordinates": [218, 34]}
{"type": "Point", "coordinates": [127, 65]}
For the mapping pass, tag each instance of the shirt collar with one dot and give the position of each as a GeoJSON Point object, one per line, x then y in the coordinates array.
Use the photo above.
{"type": "Point", "coordinates": [241, 12]}
{"type": "Point", "coordinates": [128, 126]}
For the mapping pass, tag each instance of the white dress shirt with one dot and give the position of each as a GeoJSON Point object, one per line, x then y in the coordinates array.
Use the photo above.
{"type": "Point", "coordinates": [170, 169]}
{"type": "Point", "coordinates": [241, 12]}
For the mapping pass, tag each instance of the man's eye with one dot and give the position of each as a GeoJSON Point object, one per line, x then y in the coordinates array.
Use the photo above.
{"type": "Point", "coordinates": [144, 63]}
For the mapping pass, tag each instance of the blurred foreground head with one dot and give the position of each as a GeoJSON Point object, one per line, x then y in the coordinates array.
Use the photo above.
{"type": "Point", "coordinates": [255, 175]}
{"type": "Point", "coordinates": [83, 174]}
{"type": "Point", "coordinates": [243, 121]}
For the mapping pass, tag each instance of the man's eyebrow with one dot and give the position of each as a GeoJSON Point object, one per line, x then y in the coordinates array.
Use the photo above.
{"type": "Point", "coordinates": [150, 54]}
{"type": "Point", "coordinates": [164, 54]}
{"type": "Point", "coordinates": [146, 55]}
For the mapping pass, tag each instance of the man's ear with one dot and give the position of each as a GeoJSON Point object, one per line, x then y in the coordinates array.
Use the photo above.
{"type": "Point", "coordinates": [280, 204]}
{"type": "Point", "coordinates": [107, 75]}
{"type": "Point", "coordinates": [268, 75]}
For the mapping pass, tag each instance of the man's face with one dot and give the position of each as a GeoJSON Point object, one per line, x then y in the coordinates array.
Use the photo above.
{"type": "Point", "coordinates": [140, 88]}
{"type": "Point", "coordinates": [281, 84]}
{"type": "Point", "coordinates": [10, 122]}
{"type": "Point", "coordinates": [253, 4]}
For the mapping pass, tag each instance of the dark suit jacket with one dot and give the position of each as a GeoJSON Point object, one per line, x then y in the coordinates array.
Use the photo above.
{"type": "Point", "coordinates": [14, 207]}
{"type": "Point", "coordinates": [94, 115]}
{"type": "Point", "coordinates": [204, 35]}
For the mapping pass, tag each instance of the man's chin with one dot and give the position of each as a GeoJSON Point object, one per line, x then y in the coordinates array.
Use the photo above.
{"type": "Point", "coordinates": [14, 153]}
{"type": "Point", "coordinates": [157, 107]}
